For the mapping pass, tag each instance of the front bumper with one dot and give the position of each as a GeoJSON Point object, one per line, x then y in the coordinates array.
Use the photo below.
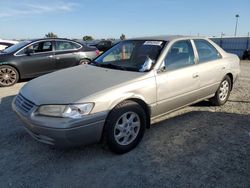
{"type": "Point", "coordinates": [63, 132]}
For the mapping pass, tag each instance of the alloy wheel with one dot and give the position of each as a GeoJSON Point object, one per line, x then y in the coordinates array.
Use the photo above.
{"type": "Point", "coordinates": [224, 90]}
{"type": "Point", "coordinates": [127, 128]}
{"type": "Point", "coordinates": [7, 76]}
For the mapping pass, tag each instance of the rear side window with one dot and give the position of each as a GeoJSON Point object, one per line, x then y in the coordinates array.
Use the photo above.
{"type": "Point", "coordinates": [180, 55]}
{"type": "Point", "coordinates": [206, 51]}
{"type": "Point", "coordinates": [66, 45]}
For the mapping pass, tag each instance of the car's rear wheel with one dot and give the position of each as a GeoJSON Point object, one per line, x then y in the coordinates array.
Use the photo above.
{"type": "Point", "coordinates": [84, 62]}
{"type": "Point", "coordinates": [8, 76]}
{"type": "Point", "coordinates": [223, 92]}
{"type": "Point", "coordinates": [125, 127]}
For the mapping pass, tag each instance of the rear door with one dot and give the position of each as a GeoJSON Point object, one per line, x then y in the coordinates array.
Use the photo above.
{"type": "Point", "coordinates": [40, 61]}
{"type": "Point", "coordinates": [178, 84]}
{"type": "Point", "coordinates": [66, 53]}
{"type": "Point", "coordinates": [212, 67]}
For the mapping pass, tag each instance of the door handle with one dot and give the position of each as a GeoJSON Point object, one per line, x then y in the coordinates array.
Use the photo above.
{"type": "Point", "coordinates": [196, 75]}
{"type": "Point", "coordinates": [50, 56]}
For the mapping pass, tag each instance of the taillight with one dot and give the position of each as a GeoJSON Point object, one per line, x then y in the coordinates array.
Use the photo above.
{"type": "Point", "coordinates": [97, 52]}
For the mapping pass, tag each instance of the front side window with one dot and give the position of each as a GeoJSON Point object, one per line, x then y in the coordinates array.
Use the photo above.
{"type": "Point", "coordinates": [39, 47]}
{"type": "Point", "coordinates": [66, 45]}
{"type": "Point", "coordinates": [206, 51]}
{"type": "Point", "coordinates": [131, 55]}
{"type": "Point", "coordinates": [180, 55]}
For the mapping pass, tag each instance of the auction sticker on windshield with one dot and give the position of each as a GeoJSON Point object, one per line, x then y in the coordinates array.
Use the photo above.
{"type": "Point", "coordinates": [155, 43]}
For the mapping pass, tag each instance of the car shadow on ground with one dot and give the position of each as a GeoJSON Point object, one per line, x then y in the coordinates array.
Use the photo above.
{"type": "Point", "coordinates": [198, 148]}
{"type": "Point", "coordinates": [205, 103]}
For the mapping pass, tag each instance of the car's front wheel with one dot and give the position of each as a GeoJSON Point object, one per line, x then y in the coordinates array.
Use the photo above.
{"type": "Point", "coordinates": [125, 127]}
{"type": "Point", "coordinates": [223, 92]}
{"type": "Point", "coordinates": [8, 76]}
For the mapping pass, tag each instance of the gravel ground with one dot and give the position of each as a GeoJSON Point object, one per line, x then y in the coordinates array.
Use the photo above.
{"type": "Point", "coordinates": [199, 146]}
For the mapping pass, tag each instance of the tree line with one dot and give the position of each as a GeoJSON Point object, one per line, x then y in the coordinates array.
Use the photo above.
{"type": "Point", "coordinates": [85, 38]}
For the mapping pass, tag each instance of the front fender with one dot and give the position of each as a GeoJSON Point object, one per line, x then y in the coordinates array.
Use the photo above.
{"type": "Point", "coordinates": [125, 96]}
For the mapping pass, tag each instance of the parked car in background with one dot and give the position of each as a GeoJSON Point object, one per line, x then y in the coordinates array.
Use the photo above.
{"type": "Point", "coordinates": [103, 45]}
{"type": "Point", "coordinates": [6, 43]}
{"type": "Point", "coordinates": [246, 55]}
{"type": "Point", "coordinates": [33, 58]}
{"type": "Point", "coordinates": [138, 81]}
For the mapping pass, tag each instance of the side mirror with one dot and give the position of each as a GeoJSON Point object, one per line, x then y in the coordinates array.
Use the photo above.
{"type": "Point", "coordinates": [162, 68]}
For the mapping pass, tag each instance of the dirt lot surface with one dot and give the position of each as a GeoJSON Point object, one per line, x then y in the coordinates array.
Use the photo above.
{"type": "Point", "coordinates": [199, 146]}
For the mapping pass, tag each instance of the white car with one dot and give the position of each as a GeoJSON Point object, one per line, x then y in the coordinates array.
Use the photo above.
{"type": "Point", "coordinates": [6, 43]}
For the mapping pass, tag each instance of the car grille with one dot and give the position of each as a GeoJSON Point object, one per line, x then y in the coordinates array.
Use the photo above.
{"type": "Point", "coordinates": [24, 104]}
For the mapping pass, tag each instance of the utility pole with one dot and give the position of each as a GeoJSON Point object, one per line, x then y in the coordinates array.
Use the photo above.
{"type": "Point", "coordinates": [236, 25]}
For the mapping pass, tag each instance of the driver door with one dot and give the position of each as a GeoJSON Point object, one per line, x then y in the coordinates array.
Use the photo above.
{"type": "Point", "coordinates": [40, 61]}
{"type": "Point", "coordinates": [178, 85]}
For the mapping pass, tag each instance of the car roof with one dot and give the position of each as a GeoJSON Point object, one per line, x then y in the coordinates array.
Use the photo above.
{"type": "Point", "coordinates": [38, 39]}
{"type": "Point", "coordinates": [167, 37]}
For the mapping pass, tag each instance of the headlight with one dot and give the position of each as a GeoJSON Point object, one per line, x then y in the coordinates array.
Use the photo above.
{"type": "Point", "coordinates": [71, 111]}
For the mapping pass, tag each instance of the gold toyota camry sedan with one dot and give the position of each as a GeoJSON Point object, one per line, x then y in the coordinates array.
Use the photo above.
{"type": "Point", "coordinates": [116, 97]}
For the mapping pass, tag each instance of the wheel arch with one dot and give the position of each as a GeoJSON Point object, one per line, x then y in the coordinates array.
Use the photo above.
{"type": "Point", "coordinates": [142, 103]}
{"type": "Point", "coordinates": [146, 108]}
{"type": "Point", "coordinates": [231, 78]}
{"type": "Point", "coordinates": [84, 58]}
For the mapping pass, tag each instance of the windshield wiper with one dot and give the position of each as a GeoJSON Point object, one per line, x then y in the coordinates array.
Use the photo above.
{"type": "Point", "coordinates": [112, 66]}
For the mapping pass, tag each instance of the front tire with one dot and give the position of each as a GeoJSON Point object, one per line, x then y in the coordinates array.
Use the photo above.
{"type": "Point", "coordinates": [125, 127]}
{"type": "Point", "coordinates": [8, 76]}
{"type": "Point", "coordinates": [223, 92]}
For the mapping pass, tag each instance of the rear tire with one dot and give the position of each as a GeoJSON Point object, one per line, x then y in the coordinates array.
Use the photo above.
{"type": "Point", "coordinates": [125, 127]}
{"type": "Point", "coordinates": [223, 92]}
{"type": "Point", "coordinates": [8, 76]}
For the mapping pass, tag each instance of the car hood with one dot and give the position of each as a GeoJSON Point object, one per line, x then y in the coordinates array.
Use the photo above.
{"type": "Point", "coordinates": [72, 85]}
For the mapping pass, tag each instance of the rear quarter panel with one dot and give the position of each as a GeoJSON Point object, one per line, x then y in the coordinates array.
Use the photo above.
{"type": "Point", "coordinates": [233, 65]}
{"type": "Point", "coordinates": [87, 55]}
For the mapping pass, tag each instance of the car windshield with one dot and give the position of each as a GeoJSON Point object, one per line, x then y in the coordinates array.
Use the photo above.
{"type": "Point", "coordinates": [16, 47]}
{"type": "Point", "coordinates": [131, 55]}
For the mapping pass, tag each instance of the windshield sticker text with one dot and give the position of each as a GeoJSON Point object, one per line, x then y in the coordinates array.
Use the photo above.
{"type": "Point", "coordinates": [155, 43]}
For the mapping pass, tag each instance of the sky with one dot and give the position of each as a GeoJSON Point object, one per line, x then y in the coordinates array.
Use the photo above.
{"type": "Point", "coordinates": [110, 18]}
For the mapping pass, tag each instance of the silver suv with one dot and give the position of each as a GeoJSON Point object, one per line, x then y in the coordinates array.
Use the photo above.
{"type": "Point", "coordinates": [117, 96]}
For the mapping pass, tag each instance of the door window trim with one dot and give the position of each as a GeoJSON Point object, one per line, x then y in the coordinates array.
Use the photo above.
{"type": "Point", "coordinates": [198, 58]}
{"type": "Point", "coordinates": [53, 47]}
{"type": "Point", "coordinates": [35, 42]}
